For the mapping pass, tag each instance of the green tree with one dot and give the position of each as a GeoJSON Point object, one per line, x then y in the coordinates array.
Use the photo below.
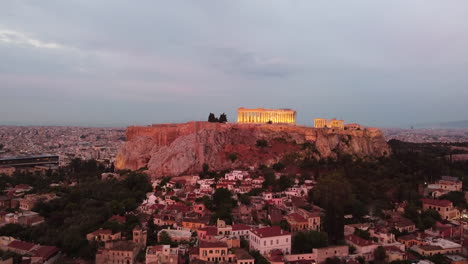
{"type": "Point", "coordinates": [305, 241]}
{"type": "Point", "coordinates": [212, 118]}
{"type": "Point", "coordinates": [232, 157]}
{"type": "Point", "coordinates": [284, 182]}
{"type": "Point", "coordinates": [164, 238]}
{"type": "Point", "coordinates": [223, 118]}
{"type": "Point", "coordinates": [259, 259]}
{"type": "Point", "coordinates": [278, 166]}
{"type": "Point", "coordinates": [332, 193]}
{"type": "Point", "coordinates": [333, 260]}
{"type": "Point", "coordinates": [380, 255]}
{"type": "Point", "coordinates": [457, 198]}
{"type": "Point", "coordinates": [261, 143]}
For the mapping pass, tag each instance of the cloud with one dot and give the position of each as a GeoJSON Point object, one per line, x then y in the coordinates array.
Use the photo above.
{"type": "Point", "coordinates": [251, 64]}
{"type": "Point", "coordinates": [19, 38]}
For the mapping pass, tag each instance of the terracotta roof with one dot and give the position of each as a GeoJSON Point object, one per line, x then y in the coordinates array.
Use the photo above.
{"type": "Point", "coordinates": [296, 217]}
{"type": "Point", "coordinates": [118, 218]}
{"type": "Point", "coordinates": [358, 240]}
{"type": "Point", "coordinates": [46, 252]}
{"type": "Point", "coordinates": [102, 231]}
{"type": "Point", "coordinates": [407, 237]}
{"type": "Point", "coordinates": [210, 230]}
{"type": "Point", "coordinates": [217, 244]}
{"type": "Point", "coordinates": [402, 222]}
{"type": "Point", "coordinates": [443, 203]}
{"type": "Point", "coordinates": [270, 231]}
{"type": "Point", "coordinates": [237, 227]}
{"type": "Point", "coordinates": [17, 244]}
{"type": "Point", "coordinates": [242, 254]}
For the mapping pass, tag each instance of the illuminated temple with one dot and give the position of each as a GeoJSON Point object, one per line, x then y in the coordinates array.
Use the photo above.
{"type": "Point", "coordinates": [261, 115]}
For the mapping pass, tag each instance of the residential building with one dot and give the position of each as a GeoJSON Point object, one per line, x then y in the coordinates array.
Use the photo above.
{"type": "Point", "coordinates": [270, 238]}
{"type": "Point", "coordinates": [103, 235]}
{"type": "Point", "coordinates": [161, 254]}
{"type": "Point", "coordinates": [117, 253]}
{"type": "Point", "coordinates": [444, 207]}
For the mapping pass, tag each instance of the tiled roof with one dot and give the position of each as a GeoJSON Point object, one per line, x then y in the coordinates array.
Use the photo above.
{"type": "Point", "coordinates": [46, 252]}
{"type": "Point", "coordinates": [210, 230]}
{"type": "Point", "coordinates": [206, 244]}
{"type": "Point", "coordinates": [270, 231]}
{"type": "Point", "coordinates": [17, 244]}
{"type": "Point", "coordinates": [358, 241]}
{"type": "Point", "coordinates": [236, 227]}
{"type": "Point", "coordinates": [118, 218]}
{"type": "Point", "coordinates": [296, 217]}
{"type": "Point", "coordinates": [443, 203]}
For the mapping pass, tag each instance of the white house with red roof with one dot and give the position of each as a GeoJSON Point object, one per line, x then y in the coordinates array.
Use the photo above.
{"type": "Point", "coordinates": [270, 238]}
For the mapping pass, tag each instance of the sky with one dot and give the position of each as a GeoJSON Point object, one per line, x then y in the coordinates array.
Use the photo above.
{"type": "Point", "coordinates": [118, 63]}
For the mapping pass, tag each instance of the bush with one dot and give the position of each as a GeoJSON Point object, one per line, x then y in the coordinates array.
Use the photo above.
{"type": "Point", "coordinates": [261, 143]}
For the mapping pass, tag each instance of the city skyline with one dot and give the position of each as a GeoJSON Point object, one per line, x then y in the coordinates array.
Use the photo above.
{"type": "Point", "coordinates": [116, 63]}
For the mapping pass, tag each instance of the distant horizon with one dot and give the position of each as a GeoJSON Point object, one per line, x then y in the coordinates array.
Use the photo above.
{"type": "Point", "coordinates": [415, 126]}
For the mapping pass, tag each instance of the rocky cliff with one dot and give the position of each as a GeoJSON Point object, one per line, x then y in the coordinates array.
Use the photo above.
{"type": "Point", "coordinates": [178, 149]}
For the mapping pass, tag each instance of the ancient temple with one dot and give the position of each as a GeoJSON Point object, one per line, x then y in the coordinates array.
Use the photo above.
{"type": "Point", "coordinates": [261, 115]}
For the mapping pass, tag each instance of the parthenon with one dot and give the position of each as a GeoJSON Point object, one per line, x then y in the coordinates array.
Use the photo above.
{"type": "Point", "coordinates": [261, 115]}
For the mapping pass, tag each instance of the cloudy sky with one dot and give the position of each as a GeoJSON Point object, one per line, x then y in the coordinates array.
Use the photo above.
{"type": "Point", "coordinates": [115, 63]}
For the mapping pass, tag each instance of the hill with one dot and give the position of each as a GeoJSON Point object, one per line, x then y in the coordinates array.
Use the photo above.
{"type": "Point", "coordinates": [182, 149]}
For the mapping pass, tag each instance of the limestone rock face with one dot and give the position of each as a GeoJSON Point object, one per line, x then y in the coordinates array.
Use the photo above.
{"type": "Point", "coordinates": [182, 149]}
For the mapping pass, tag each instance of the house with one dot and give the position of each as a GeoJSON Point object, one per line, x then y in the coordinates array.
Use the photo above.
{"type": "Point", "coordinates": [243, 257]}
{"type": "Point", "coordinates": [25, 218]}
{"type": "Point", "coordinates": [117, 253]}
{"type": "Point", "coordinates": [402, 224]}
{"type": "Point", "coordinates": [37, 253]}
{"type": "Point", "coordinates": [45, 254]}
{"type": "Point", "coordinates": [208, 233]}
{"type": "Point", "coordinates": [236, 175]}
{"type": "Point", "coordinates": [214, 252]}
{"type": "Point", "coordinates": [270, 238]}
{"type": "Point", "coordinates": [240, 231]}
{"type": "Point", "coordinates": [161, 254]}
{"type": "Point", "coordinates": [313, 218]}
{"type": "Point", "coordinates": [5, 202]}
{"type": "Point", "coordinates": [103, 235]}
{"type": "Point", "coordinates": [395, 254]}
{"type": "Point", "coordinates": [21, 247]}
{"type": "Point", "coordinates": [451, 184]}
{"type": "Point", "coordinates": [28, 202]}
{"type": "Point", "coordinates": [194, 224]}
{"type": "Point", "coordinates": [296, 222]}
{"type": "Point", "coordinates": [363, 247]}
{"type": "Point", "coordinates": [321, 254]}
{"type": "Point", "coordinates": [410, 240]}
{"type": "Point", "coordinates": [437, 246]}
{"type": "Point", "coordinates": [140, 236]}
{"type": "Point", "coordinates": [444, 207]}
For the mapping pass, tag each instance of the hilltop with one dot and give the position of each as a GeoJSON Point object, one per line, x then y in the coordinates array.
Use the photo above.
{"type": "Point", "coordinates": [181, 149]}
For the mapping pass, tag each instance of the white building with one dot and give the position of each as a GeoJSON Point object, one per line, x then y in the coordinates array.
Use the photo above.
{"type": "Point", "coordinates": [270, 238]}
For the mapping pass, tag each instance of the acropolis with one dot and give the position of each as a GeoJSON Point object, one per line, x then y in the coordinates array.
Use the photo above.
{"type": "Point", "coordinates": [261, 115]}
